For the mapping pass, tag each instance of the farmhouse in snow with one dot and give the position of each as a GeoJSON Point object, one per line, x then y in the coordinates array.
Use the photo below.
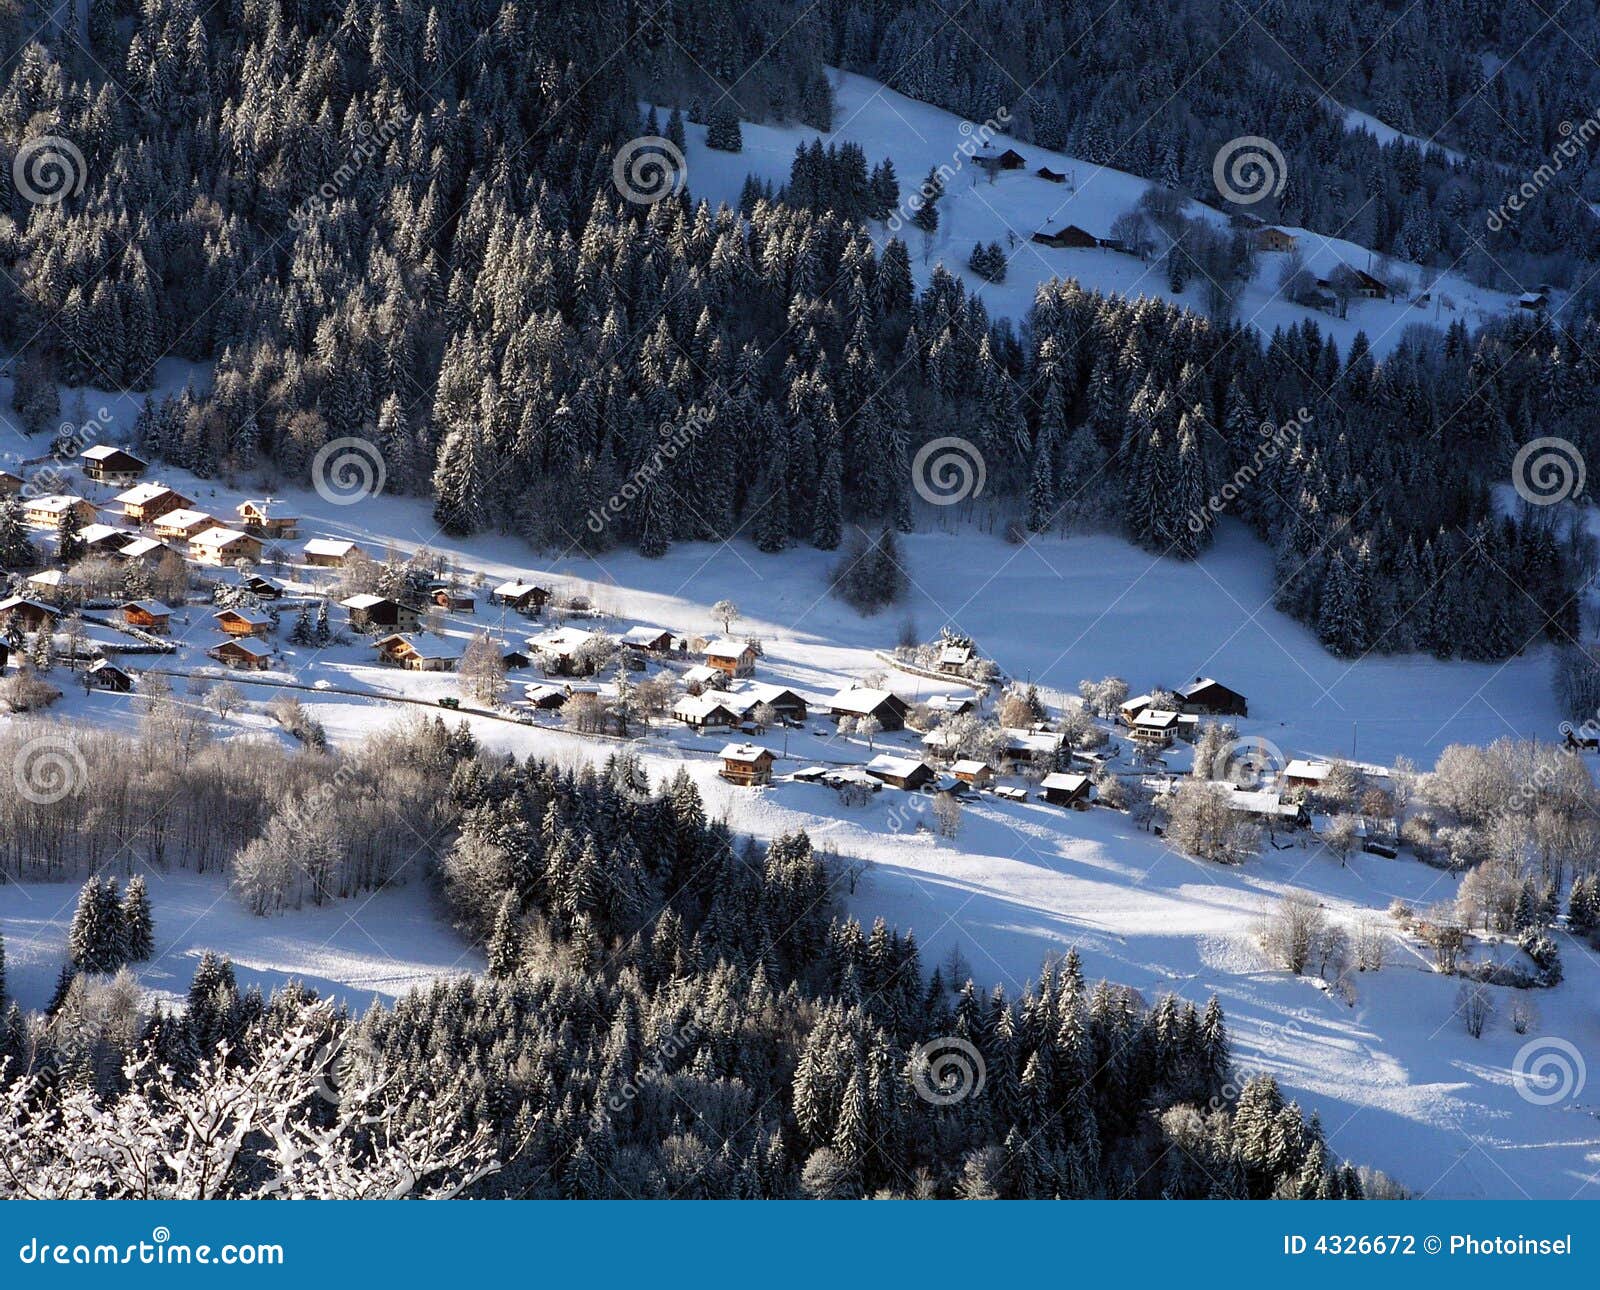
{"type": "Point", "coordinates": [747, 765]}
{"type": "Point", "coordinates": [702, 711]}
{"type": "Point", "coordinates": [30, 614]}
{"type": "Point", "coordinates": [524, 597]}
{"type": "Point", "coordinates": [900, 772]}
{"type": "Point", "coordinates": [1062, 789]}
{"type": "Point", "coordinates": [110, 465]}
{"type": "Point", "coordinates": [221, 546]}
{"type": "Point", "coordinates": [732, 658]}
{"type": "Point", "coordinates": [46, 512]}
{"type": "Point", "coordinates": [419, 654]}
{"type": "Point", "coordinates": [146, 503]}
{"type": "Point", "coordinates": [261, 518]}
{"type": "Point", "coordinates": [242, 652]}
{"type": "Point", "coordinates": [183, 523]}
{"type": "Point", "coordinates": [1069, 237]}
{"type": "Point", "coordinates": [888, 710]}
{"type": "Point", "coordinates": [1213, 699]}
{"type": "Point", "coordinates": [243, 622]}
{"type": "Point", "coordinates": [368, 612]}
{"type": "Point", "coordinates": [329, 553]}
{"type": "Point", "coordinates": [149, 615]}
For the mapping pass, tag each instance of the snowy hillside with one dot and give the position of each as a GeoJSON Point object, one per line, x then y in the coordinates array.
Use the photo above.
{"type": "Point", "coordinates": [1013, 205]}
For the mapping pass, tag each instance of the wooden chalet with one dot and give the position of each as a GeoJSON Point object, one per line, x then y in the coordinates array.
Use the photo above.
{"type": "Point", "coordinates": [221, 546]}
{"type": "Point", "coordinates": [457, 602]}
{"type": "Point", "coordinates": [419, 654]}
{"type": "Point", "coordinates": [182, 524]}
{"type": "Point", "coordinates": [243, 622]}
{"type": "Point", "coordinates": [705, 711]}
{"type": "Point", "coordinates": [243, 652]}
{"type": "Point", "coordinates": [747, 765]}
{"type": "Point", "coordinates": [148, 615]}
{"type": "Point", "coordinates": [1010, 159]}
{"type": "Point", "coordinates": [259, 517]}
{"type": "Point", "coordinates": [651, 640]}
{"type": "Point", "coordinates": [10, 485]}
{"type": "Point", "coordinates": [524, 597]}
{"type": "Point", "coordinates": [107, 464]}
{"type": "Point", "coordinates": [1069, 237]}
{"type": "Point", "coordinates": [102, 540]}
{"type": "Point", "coordinates": [545, 698]}
{"type": "Point", "coordinates": [147, 550]}
{"type": "Point", "coordinates": [146, 503]}
{"type": "Point", "coordinates": [1369, 287]}
{"type": "Point", "coordinates": [370, 613]}
{"type": "Point", "coordinates": [1034, 747]}
{"type": "Point", "coordinates": [1054, 176]}
{"type": "Point", "coordinates": [790, 705]}
{"type": "Point", "coordinates": [731, 658]}
{"type": "Point", "coordinates": [1211, 698]}
{"type": "Point", "coordinates": [1533, 301]}
{"type": "Point", "coordinates": [888, 710]}
{"type": "Point", "coordinates": [1303, 772]}
{"type": "Point", "coordinates": [46, 512]}
{"type": "Point", "coordinates": [108, 676]}
{"type": "Point", "coordinates": [329, 553]}
{"type": "Point", "coordinates": [558, 650]}
{"type": "Point", "coordinates": [1061, 789]}
{"type": "Point", "coordinates": [262, 588]}
{"type": "Point", "coordinates": [971, 771]}
{"type": "Point", "coordinates": [29, 614]}
{"type": "Point", "coordinates": [1273, 239]}
{"type": "Point", "coordinates": [900, 772]}
{"type": "Point", "coordinates": [953, 659]}
{"type": "Point", "coordinates": [52, 584]}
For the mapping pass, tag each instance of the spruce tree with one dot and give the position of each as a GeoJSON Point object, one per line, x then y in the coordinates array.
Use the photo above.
{"type": "Point", "coordinates": [138, 924]}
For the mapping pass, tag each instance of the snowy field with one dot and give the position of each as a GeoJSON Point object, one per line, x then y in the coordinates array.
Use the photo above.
{"type": "Point", "coordinates": [1017, 204]}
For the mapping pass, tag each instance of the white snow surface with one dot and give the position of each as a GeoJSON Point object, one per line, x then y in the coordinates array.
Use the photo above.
{"type": "Point", "coordinates": [1017, 204]}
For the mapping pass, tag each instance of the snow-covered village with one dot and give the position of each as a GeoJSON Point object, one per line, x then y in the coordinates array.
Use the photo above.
{"type": "Point", "coordinates": [650, 651]}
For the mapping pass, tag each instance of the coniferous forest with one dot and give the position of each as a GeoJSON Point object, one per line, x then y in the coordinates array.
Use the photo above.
{"type": "Point", "coordinates": [400, 223]}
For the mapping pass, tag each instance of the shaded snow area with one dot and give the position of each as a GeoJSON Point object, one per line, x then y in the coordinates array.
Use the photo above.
{"type": "Point", "coordinates": [376, 946]}
{"type": "Point", "coordinates": [1015, 204]}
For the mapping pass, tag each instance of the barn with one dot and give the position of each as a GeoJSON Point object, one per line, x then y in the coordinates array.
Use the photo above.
{"type": "Point", "coordinates": [1209, 697]}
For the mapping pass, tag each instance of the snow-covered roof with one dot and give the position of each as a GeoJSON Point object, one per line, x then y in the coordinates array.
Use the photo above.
{"type": "Point", "coordinates": [48, 578]}
{"type": "Point", "coordinates": [92, 533]}
{"type": "Point", "coordinates": [744, 752]}
{"type": "Point", "coordinates": [1261, 801]}
{"type": "Point", "coordinates": [643, 635]}
{"type": "Point", "coordinates": [1063, 782]}
{"type": "Point", "coordinates": [722, 647]}
{"type": "Point", "coordinates": [152, 607]}
{"type": "Point", "coordinates": [957, 654]}
{"type": "Point", "coordinates": [703, 674]}
{"type": "Point", "coordinates": [898, 767]}
{"type": "Point", "coordinates": [1136, 702]}
{"type": "Point", "coordinates": [105, 451]}
{"type": "Point", "coordinates": [561, 640]}
{"type": "Point", "coordinates": [1157, 719]}
{"type": "Point", "coordinates": [697, 707]}
{"type": "Point", "coordinates": [969, 766]}
{"type": "Point", "coordinates": [1036, 741]}
{"type": "Point", "coordinates": [246, 643]}
{"type": "Point", "coordinates": [144, 494]}
{"type": "Point", "coordinates": [859, 702]}
{"type": "Point", "coordinates": [185, 518]}
{"type": "Point", "coordinates": [252, 616]}
{"type": "Point", "coordinates": [220, 536]}
{"type": "Point", "coordinates": [142, 546]}
{"type": "Point", "coordinates": [329, 546]}
{"type": "Point", "coordinates": [1304, 768]}
{"type": "Point", "coordinates": [366, 600]}
{"type": "Point", "coordinates": [55, 503]}
{"type": "Point", "coordinates": [516, 590]}
{"type": "Point", "coordinates": [20, 602]}
{"type": "Point", "coordinates": [428, 647]}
